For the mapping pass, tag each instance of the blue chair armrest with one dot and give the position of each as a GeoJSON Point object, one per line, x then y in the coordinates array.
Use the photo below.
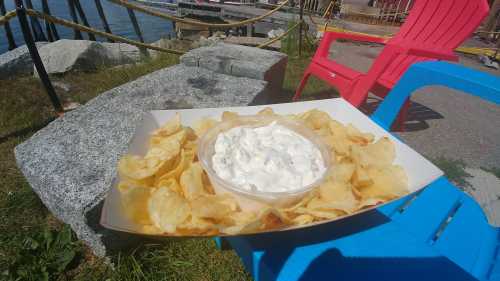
{"type": "Point", "coordinates": [438, 73]}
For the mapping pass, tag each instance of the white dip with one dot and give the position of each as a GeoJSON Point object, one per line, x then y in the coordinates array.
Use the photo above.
{"type": "Point", "coordinates": [271, 158]}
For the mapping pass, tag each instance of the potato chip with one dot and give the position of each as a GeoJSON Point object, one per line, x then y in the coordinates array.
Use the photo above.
{"type": "Point", "coordinates": [228, 115]}
{"type": "Point", "coordinates": [203, 125]}
{"type": "Point", "coordinates": [211, 207]}
{"type": "Point", "coordinates": [186, 158]}
{"type": "Point", "coordinates": [192, 183]}
{"type": "Point", "coordinates": [335, 195]}
{"type": "Point", "coordinates": [343, 172]}
{"type": "Point", "coordinates": [167, 209]}
{"type": "Point", "coordinates": [172, 126]}
{"type": "Point", "coordinates": [303, 219]}
{"type": "Point", "coordinates": [165, 141]}
{"type": "Point", "coordinates": [135, 201]}
{"type": "Point", "coordinates": [171, 184]}
{"type": "Point", "coordinates": [266, 112]}
{"type": "Point", "coordinates": [355, 135]}
{"type": "Point", "coordinates": [315, 119]}
{"type": "Point", "coordinates": [137, 168]}
{"type": "Point", "coordinates": [361, 178]}
{"type": "Point", "coordinates": [378, 154]}
{"type": "Point", "coordinates": [388, 183]}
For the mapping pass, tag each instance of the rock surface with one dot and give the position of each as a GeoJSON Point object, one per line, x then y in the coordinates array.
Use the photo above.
{"type": "Point", "coordinates": [17, 62]}
{"type": "Point", "coordinates": [83, 55]}
{"type": "Point", "coordinates": [240, 61]}
{"type": "Point", "coordinates": [71, 163]}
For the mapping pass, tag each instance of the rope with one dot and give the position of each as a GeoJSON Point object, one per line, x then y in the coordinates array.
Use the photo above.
{"type": "Point", "coordinates": [265, 44]}
{"type": "Point", "coordinates": [9, 15]}
{"type": "Point", "coordinates": [198, 23]}
{"type": "Point", "coordinates": [84, 28]}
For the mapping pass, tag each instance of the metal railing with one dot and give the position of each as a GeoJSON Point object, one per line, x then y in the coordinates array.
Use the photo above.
{"type": "Point", "coordinates": [32, 29]}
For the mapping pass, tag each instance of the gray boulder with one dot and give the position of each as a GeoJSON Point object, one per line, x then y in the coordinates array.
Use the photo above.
{"type": "Point", "coordinates": [240, 61]}
{"type": "Point", "coordinates": [71, 163]}
{"type": "Point", "coordinates": [17, 62]}
{"type": "Point", "coordinates": [83, 55]}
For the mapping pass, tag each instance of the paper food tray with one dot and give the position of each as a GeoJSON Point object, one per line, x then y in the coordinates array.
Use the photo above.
{"type": "Point", "coordinates": [420, 171]}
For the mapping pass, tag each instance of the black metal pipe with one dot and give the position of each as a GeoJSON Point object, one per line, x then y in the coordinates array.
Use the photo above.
{"type": "Point", "coordinates": [72, 12]}
{"type": "Point", "coordinates": [133, 19]}
{"type": "Point", "coordinates": [35, 25]}
{"type": "Point", "coordinates": [83, 18]}
{"type": "Point", "coordinates": [35, 56]}
{"type": "Point", "coordinates": [50, 26]}
{"type": "Point", "coordinates": [301, 17]}
{"type": "Point", "coordinates": [100, 10]}
{"type": "Point", "coordinates": [8, 31]}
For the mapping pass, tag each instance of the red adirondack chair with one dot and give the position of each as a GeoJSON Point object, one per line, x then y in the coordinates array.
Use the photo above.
{"type": "Point", "coordinates": [433, 29]}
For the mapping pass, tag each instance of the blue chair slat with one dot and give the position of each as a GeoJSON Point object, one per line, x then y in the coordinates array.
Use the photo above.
{"type": "Point", "coordinates": [494, 273]}
{"type": "Point", "coordinates": [426, 213]}
{"type": "Point", "coordinates": [467, 239]}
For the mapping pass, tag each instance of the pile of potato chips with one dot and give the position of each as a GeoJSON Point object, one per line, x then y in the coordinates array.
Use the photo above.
{"type": "Point", "coordinates": [168, 192]}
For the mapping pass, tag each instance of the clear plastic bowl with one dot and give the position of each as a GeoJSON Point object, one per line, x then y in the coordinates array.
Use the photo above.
{"type": "Point", "coordinates": [254, 200]}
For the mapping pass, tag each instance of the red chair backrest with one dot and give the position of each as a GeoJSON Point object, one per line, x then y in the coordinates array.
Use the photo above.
{"type": "Point", "coordinates": [435, 25]}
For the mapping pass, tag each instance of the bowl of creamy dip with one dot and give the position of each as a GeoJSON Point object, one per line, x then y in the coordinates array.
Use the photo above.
{"type": "Point", "coordinates": [263, 160]}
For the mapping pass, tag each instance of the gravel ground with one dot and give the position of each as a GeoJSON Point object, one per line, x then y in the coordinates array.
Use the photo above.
{"type": "Point", "coordinates": [447, 123]}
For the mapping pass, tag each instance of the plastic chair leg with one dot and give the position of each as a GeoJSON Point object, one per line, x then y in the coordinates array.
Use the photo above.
{"type": "Point", "coordinates": [399, 123]}
{"type": "Point", "coordinates": [302, 84]}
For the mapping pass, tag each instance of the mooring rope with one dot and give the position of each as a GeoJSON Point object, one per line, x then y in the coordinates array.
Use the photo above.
{"type": "Point", "coordinates": [84, 28]}
{"type": "Point", "coordinates": [192, 22]}
{"type": "Point", "coordinates": [8, 16]}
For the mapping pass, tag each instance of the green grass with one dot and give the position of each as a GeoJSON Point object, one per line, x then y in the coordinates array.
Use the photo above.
{"type": "Point", "coordinates": [494, 171]}
{"type": "Point", "coordinates": [29, 232]}
{"type": "Point", "coordinates": [454, 170]}
{"type": "Point", "coordinates": [34, 245]}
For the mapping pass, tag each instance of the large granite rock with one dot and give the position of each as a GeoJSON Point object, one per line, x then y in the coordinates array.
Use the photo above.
{"type": "Point", "coordinates": [71, 163]}
{"type": "Point", "coordinates": [83, 55]}
{"type": "Point", "coordinates": [240, 61]}
{"type": "Point", "coordinates": [17, 62]}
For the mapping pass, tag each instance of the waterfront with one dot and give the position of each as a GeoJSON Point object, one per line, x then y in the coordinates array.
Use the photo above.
{"type": "Point", "coordinates": [152, 28]}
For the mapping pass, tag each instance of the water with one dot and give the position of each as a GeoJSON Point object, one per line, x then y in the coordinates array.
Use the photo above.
{"type": "Point", "coordinates": [152, 28]}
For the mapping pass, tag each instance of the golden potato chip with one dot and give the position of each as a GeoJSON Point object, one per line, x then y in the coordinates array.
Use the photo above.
{"type": "Point", "coordinates": [361, 178]}
{"type": "Point", "coordinates": [210, 207]}
{"type": "Point", "coordinates": [320, 214]}
{"type": "Point", "coordinates": [192, 183]}
{"type": "Point", "coordinates": [137, 168]}
{"type": "Point", "coordinates": [150, 229]}
{"type": "Point", "coordinates": [315, 119]}
{"type": "Point", "coordinates": [357, 136]}
{"type": "Point", "coordinates": [135, 201]}
{"type": "Point", "coordinates": [388, 183]}
{"type": "Point", "coordinates": [378, 154]}
{"type": "Point", "coordinates": [370, 202]}
{"type": "Point", "coordinates": [266, 112]}
{"type": "Point", "coordinates": [303, 219]}
{"type": "Point", "coordinates": [170, 127]}
{"type": "Point", "coordinates": [167, 209]}
{"type": "Point", "coordinates": [228, 115]}
{"type": "Point", "coordinates": [203, 125]}
{"type": "Point", "coordinates": [343, 172]}
{"type": "Point", "coordinates": [171, 184]}
{"type": "Point", "coordinates": [335, 195]}
{"type": "Point", "coordinates": [186, 158]}
{"type": "Point", "coordinates": [166, 141]}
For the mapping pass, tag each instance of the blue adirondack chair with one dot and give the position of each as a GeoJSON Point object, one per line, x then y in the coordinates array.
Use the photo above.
{"type": "Point", "coordinates": [438, 234]}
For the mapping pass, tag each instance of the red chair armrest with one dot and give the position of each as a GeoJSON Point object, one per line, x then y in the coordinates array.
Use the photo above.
{"type": "Point", "coordinates": [331, 36]}
{"type": "Point", "coordinates": [450, 56]}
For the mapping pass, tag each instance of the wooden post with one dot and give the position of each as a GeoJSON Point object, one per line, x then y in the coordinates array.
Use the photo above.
{"type": "Point", "coordinates": [51, 27]}
{"type": "Point", "coordinates": [35, 25]}
{"type": "Point", "coordinates": [72, 12]}
{"type": "Point", "coordinates": [100, 10]}
{"type": "Point", "coordinates": [301, 16]}
{"type": "Point", "coordinates": [8, 31]}
{"type": "Point", "coordinates": [35, 56]}
{"type": "Point", "coordinates": [83, 18]}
